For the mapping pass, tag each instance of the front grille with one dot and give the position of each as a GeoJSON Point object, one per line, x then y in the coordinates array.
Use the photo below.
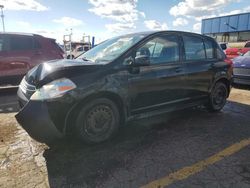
{"type": "Point", "coordinates": [241, 71]}
{"type": "Point", "coordinates": [26, 88]}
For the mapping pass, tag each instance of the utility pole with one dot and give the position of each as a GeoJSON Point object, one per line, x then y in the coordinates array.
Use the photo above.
{"type": "Point", "coordinates": [67, 39]}
{"type": "Point", "coordinates": [2, 16]}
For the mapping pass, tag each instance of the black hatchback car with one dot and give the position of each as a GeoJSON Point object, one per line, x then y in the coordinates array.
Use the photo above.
{"type": "Point", "coordinates": [125, 78]}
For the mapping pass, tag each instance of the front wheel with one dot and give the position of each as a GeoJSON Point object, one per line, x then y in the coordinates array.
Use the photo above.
{"type": "Point", "coordinates": [217, 97]}
{"type": "Point", "coordinates": [97, 121]}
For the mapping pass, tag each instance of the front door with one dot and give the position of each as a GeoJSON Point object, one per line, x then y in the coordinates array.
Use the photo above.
{"type": "Point", "coordinates": [161, 83]}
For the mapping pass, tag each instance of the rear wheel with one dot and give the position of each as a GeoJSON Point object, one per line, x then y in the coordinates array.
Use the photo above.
{"type": "Point", "coordinates": [97, 121]}
{"type": "Point", "coordinates": [218, 97]}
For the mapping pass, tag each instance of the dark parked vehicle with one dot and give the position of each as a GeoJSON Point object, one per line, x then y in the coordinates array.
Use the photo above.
{"type": "Point", "coordinates": [20, 52]}
{"type": "Point", "coordinates": [125, 78]}
{"type": "Point", "coordinates": [241, 69]}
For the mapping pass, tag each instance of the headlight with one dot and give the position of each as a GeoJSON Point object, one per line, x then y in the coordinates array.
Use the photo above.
{"type": "Point", "coordinates": [53, 89]}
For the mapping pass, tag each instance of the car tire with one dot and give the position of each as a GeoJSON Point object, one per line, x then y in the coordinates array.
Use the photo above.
{"type": "Point", "coordinates": [97, 121]}
{"type": "Point", "coordinates": [218, 97]}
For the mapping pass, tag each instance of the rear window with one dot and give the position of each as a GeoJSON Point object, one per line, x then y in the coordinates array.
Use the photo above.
{"type": "Point", "coordinates": [21, 42]}
{"type": "Point", "coordinates": [194, 48]}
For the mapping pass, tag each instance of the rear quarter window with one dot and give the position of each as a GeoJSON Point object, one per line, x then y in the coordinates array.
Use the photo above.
{"type": "Point", "coordinates": [209, 49]}
{"type": "Point", "coordinates": [194, 48]}
{"type": "Point", "coordinates": [220, 54]}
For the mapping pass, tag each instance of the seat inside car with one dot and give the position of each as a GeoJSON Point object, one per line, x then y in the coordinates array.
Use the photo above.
{"type": "Point", "coordinates": [167, 54]}
{"type": "Point", "coordinates": [143, 51]}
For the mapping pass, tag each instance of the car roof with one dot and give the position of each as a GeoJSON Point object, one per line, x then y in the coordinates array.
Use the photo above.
{"type": "Point", "coordinates": [19, 33]}
{"type": "Point", "coordinates": [147, 33]}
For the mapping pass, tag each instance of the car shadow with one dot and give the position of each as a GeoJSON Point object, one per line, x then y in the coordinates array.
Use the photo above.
{"type": "Point", "coordinates": [74, 164]}
{"type": "Point", "coordinates": [71, 163]}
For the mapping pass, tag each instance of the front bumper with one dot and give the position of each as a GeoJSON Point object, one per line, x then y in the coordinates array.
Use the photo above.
{"type": "Point", "coordinates": [45, 121]}
{"type": "Point", "coordinates": [35, 119]}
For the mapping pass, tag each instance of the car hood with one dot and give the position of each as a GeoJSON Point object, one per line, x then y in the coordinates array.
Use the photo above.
{"type": "Point", "coordinates": [242, 61]}
{"type": "Point", "coordinates": [54, 69]}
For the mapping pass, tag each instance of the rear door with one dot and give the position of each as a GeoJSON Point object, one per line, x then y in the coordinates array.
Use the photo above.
{"type": "Point", "coordinates": [160, 84]}
{"type": "Point", "coordinates": [199, 61]}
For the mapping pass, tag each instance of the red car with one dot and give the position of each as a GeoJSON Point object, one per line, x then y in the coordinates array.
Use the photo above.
{"type": "Point", "coordinates": [234, 52]}
{"type": "Point", "coordinates": [20, 52]}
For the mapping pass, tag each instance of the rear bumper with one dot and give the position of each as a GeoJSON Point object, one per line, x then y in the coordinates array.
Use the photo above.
{"type": "Point", "coordinates": [35, 119]}
{"type": "Point", "coordinates": [240, 79]}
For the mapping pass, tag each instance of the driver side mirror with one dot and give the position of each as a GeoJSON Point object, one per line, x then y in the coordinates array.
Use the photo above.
{"type": "Point", "coordinates": [141, 60]}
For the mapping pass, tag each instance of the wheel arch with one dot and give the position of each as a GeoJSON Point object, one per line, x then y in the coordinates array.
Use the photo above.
{"type": "Point", "coordinates": [72, 115]}
{"type": "Point", "coordinates": [224, 80]}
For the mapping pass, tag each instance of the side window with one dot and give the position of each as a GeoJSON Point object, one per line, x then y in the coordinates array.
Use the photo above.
{"type": "Point", "coordinates": [21, 43]}
{"type": "Point", "coordinates": [147, 49]}
{"type": "Point", "coordinates": [37, 44]}
{"type": "Point", "coordinates": [220, 53]}
{"type": "Point", "coordinates": [158, 49]}
{"type": "Point", "coordinates": [161, 49]}
{"type": "Point", "coordinates": [194, 48]}
{"type": "Point", "coordinates": [209, 49]}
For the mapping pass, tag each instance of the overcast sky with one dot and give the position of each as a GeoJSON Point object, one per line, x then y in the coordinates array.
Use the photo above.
{"type": "Point", "coordinates": [106, 18]}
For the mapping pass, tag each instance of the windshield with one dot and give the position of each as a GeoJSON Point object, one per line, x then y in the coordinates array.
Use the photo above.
{"type": "Point", "coordinates": [110, 49]}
